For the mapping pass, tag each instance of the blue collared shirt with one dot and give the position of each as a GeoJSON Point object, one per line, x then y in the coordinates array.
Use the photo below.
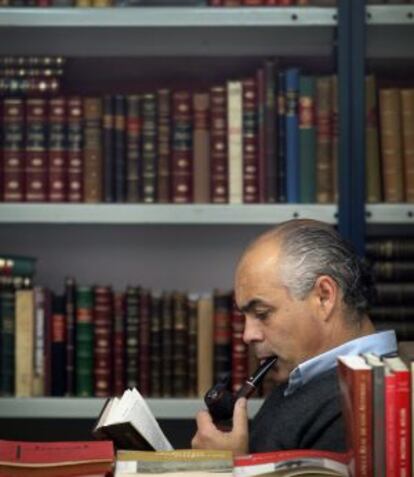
{"type": "Point", "coordinates": [381, 343]}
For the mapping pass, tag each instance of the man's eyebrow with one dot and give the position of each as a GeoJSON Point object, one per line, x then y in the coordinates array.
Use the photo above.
{"type": "Point", "coordinates": [251, 305]}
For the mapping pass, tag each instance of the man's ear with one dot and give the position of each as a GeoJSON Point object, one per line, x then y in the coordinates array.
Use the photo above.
{"type": "Point", "coordinates": [325, 295]}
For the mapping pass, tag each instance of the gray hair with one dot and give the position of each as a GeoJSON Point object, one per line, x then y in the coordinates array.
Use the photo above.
{"type": "Point", "coordinates": [310, 249]}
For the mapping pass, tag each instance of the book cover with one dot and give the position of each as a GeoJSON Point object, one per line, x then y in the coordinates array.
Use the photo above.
{"type": "Point", "coordinates": [292, 136]}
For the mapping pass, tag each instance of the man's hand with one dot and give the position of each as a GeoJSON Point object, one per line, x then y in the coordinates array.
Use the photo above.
{"type": "Point", "coordinates": [209, 437]}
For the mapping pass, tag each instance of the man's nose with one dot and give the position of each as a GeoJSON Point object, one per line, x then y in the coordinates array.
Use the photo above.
{"type": "Point", "coordinates": [251, 331]}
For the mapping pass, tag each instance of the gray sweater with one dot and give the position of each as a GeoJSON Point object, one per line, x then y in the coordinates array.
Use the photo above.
{"type": "Point", "coordinates": [310, 418]}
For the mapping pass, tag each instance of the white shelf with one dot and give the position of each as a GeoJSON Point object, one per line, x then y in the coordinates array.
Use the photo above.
{"type": "Point", "coordinates": [389, 213]}
{"type": "Point", "coordinates": [156, 32]}
{"type": "Point", "coordinates": [161, 214]}
{"type": "Point", "coordinates": [390, 15]}
{"type": "Point", "coordinates": [89, 408]}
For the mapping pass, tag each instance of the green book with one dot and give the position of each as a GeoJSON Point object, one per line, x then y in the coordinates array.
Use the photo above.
{"type": "Point", "coordinates": [16, 265]}
{"type": "Point", "coordinates": [307, 140]}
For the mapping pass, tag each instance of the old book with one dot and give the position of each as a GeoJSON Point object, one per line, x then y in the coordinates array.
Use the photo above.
{"type": "Point", "coordinates": [24, 344]}
{"type": "Point", "coordinates": [192, 319]}
{"type": "Point", "coordinates": [103, 341]}
{"type": "Point", "coordinates": [291, 463]}
{"type": "Point", "coordinates": [222, 335]}
{"type": "Point", "coordinates": [407, 116]}
{"type": "Point", "coordinates": [84, 341]}
{"type": "Point", "coordinates": [261, 134]}
{"type": "Point", "coordinates": [335, 139]}
{"type": "Point", "coordinates": [167, 320]}
{"type": "Point", "coordinates": [119, 361]}
{"type": "Point", "coordinates": [71, 326]}
{"type": "Point", "coordinates": [201, 148]}
{"type": "Point", "coordinates": [133, 132]}
{"type": "Point", "coordinates": [391, 145]}
{"type": "Point", "coordinates": [393, 270]}
{"type": "Point", "coordinates": [164, 145]}
{"type": "Point", "coordinates": [57, 346]}
{"type": "Point", "coordinates": [75, 145]}
{"type": "Point", "coordinates": [281, 186]}
{"type": "Point", "coordinates": [55, 459]}
{"type": "Point", "coordinates": [372, 152]}
{"type": "Point", "coordinates": [180, 345]}
{"type": "Point", "coordinates": [391, 248]}
{"type": "Point", "coordinates": [108, 146]}
{"type": "Point", "coordinates": [189, 462]}
{"type": "Point", "coordinates": [156, 370]}
{"type": "Point", "coordinates": [149, 168]}
{"type": "Point", "coordinates": [235, 144]}
{"type": "Point", "coordinates": [401, 293]}
{"type": "Point", "coordinates": [270, 129]}
{"type": "Point", "coordinates": [119, 147]}
{"type": "Point", "coordinates": [132, 311]}
{"type": "Point", "coordinates": [7, 337]}
{"type": "Point", "coordinates": [355, 382]}
{"type": "Point", "coordinates": [402, 436]}
{"type": "Point", "coordinates": [35, 150]}
{"type": "Point", "coordinates": [130, 423]}
{"type": "Point", "coordinates": [292, 136]}
{"type": "Point", "coordinates": [39, 342]}
{"type": "Point", "coordinates": [144, 378]}
{"type": "Point", "coordinates": [92, 150]}
{"type": "Point", "coordinates": [307, 139]}
{"type": "Point", "coordinates": [239, 356]}
{"type": "Point", "coordinates": [204, 344]}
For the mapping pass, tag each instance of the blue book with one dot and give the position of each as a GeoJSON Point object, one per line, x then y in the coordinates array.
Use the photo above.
{"type": "Point", "coordinates": [292, 136]}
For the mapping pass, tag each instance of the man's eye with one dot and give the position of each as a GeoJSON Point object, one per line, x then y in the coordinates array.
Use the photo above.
{"type": "Point", "coordinates": [262, 314]}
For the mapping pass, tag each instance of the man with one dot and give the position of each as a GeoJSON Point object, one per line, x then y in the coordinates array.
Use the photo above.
{"type": "Point", "coordinates": [305, 295]}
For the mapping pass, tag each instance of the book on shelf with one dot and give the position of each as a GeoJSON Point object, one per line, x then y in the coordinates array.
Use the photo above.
{"type": "Point", "coordinates": [130, 423]}
{"type": "Point", "coordinates": [55, 459]}
{"type": "Point", "coordinates": [189, 462]}
{"type": "Point", "coordinates": [292, 463]}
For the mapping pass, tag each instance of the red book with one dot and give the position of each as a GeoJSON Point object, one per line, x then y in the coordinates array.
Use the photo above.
{"type": "Point", "coordinates": [57, 150]}
{"type": "Point", "coordinates": [239, 357]}
{"type": "Point", "coordinates": [390, 424]}
{"type": "Point", "coordinates": [355, 382]}
{"type": "Point", "coordinates": [402, 415]}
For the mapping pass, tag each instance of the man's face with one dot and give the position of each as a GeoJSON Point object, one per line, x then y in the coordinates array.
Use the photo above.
{"type": "Point", "coordinates": [276, 323]}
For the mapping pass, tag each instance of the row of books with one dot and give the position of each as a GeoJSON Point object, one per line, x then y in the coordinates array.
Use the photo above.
{"type": "Point", "coordinates": [93, 342]}
{"type": "Point", "coordinates": [268, 138]}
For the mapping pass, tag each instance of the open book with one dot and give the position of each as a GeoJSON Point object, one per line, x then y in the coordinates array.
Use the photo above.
{"type": "Point", "coordinates": [130, 424]}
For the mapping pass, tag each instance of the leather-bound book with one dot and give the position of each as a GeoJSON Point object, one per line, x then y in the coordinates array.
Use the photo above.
{"type": "Point", "coordinates": [58, 347]}
{"type": "Point", "coordinates": [372, 152]}
{"type": "Point", "coordinates": [39, 341]}
{"type": "Point", "coordinates": [108, 130]}
{"type": "Point", "coordinates": [397, 293]}
{"type": "Point", "coordinates": [164, 146]}
{"type": "Point", "coordinates": [205, 344]}
{"type": "Point", "coordinates": [92, 150]}
{"type": "Point", "coordinates": [324, 192]}
{"type": "Point", "coordinates": [144, 346]}
{"type": "Point", "coordinates": [180, 345]}
{"type": "Point", "coordinates": [239, 352]}
{"type": "Point", "coordinates": [132, 336]}
{"type": "Point", "coordinates": [281, 186]}
{"type": "Point", "coordinates": [219, 189]}
{"type": "Point", "coordinates": [222, 335]}
{"type": "Point", "coordinates": [292, 136]}
{"type": "Point", "coordinates": [270, 130]}
{"type": "Point", "coordinates": [7, 336]}
{"type": "Point", "coordinates": [75, 149]}
{"type": "Point", "coordinates": [235, 143]}
{"type": "Point", "coordinates": [201, 148]}
{"type": "Point", "coordinates": [182, 148]}
{"type": "Point", "coordinates": [133, 131]}
{"type": "Point", "coordinates": [391, 248]}
{"type": "Point", "coordinates": [261, 134]}
{"type": "Point", "coordinates": [57, 149]}
{"type": "Point", "coordinates": [307, 139]}
{"type": "Point", "coordinates": [149, 148]}
{"type": "Point", "coordinates": [192, 315]}
{"type": "Point", "coordinates": [167, 345]}
{"type": "Point", "coordinates": [70, 320]}
{"type": "Point", "coordinates": [119, 148]}
{"type": "Point", "coordinates": [393, 270]}
{"type": "Point", "coordinates": [119, 362]}
{"type": "Point", "coordinates": [407, 114]}
{"type": "Point", "coordinates": [103, 313]}
{"type": "Point", "coordinates": [391, 145]}
{"type": "Point", "coordinates": [35, 150]}
{"type": "Point", "coordinates": [249, 138]}
{"type": "Point", "coordinates": [156, 345]}
{"type": "Point", "coordinates": [84, 358]}
{"type": "Point", "coordinates": [13, 149]}
{"type": "Point", "coordinates": [335, 139]}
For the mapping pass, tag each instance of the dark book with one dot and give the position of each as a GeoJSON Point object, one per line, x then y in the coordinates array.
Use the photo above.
{"type": "Point", "coordinates": [239, 356]}
{"type": "Point", "coordinates": [180, 345]}
{"type": "Point", "coordinates": [392, 313]}
{"type": "Point", "coordinates": [103, 341]}
{"type": "Point", "coordinates": [133, 131]}
{"type": "Point", "coordinates": [144, 379]}
{"type": "Point", "coordinates": [281, 186]}
{"type": "Point", "coordinates": [149, 148]}
{"type": "Point", "coordinates": [58, 346]}
{"type": "Point", "coordinates": [7, 336]}
{"type": "Point", "coordinates": [119, 147]}
{"type": "Point", "coordinates": [394, 293]}
{"type": "Point", "coordinates": [167, 345]}
{"type": "Point", "coordinates": [292, 136]}
{"type": "Point", "coordinates": [201, 149]}
{"type": "Point", "coordinates": [393, 270]}
{"type": "Point", "coordinates": [108, 131]}
{"type": "Point", "coordinates": [84, 341]}
{"type": "Point", "coordinates": [164, 146]}
{"type": "Point", "coordinates": [70, 320]}
{"type": "Point", "coordinates": [261, 134]}
{"type": "Point", "coordinates": [192, 320]}
{"type": "Point", "coordinates": [35, 150]}
{"type": "Point", "coordinates": [75, 149]}
{"type": "Point", "coordinates": [270, 130]}
{"type": "Point", "coordinates": [119, 339]}
{"type": "Point", "coordinates": [132, 310]}
{"type": "Point", "coordinates": [390, 248]}
{"type": "Point", "coordinates": [222, 335]}
{"type": "Point", "coordinates": [156, 351]}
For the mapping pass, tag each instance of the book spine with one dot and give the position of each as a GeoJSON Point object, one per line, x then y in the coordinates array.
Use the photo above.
{"type": "Point", "coordinates": [292, 136]}
{"type": "Point", "coordinates": [239, 361]}
{"type": "Point", "coordinates": [103, 339]}
{"type": "Point", "coordinates": [335, 139]}
{"type": "Point", "coordinates": [133, 148]}
{"type": "Point", "coordinates": [119, 362]}
{"type": "Point", "coordinates": [75, 148]}
{"type": "Point", "coordinates": [270, 130]}
{"type": "Point", "coordinates": [182, 148]}
{"type": "Point", "coordinates": [35, 151]}
{"type": "Point", "coordinates": [307, 139]}
{"type": "Point", "coordinates": [119, 148]}
{"type": "Point", "coordinates": [222, 336]}
{"type": "Point", "coordinates": [403, 423]}
{"type": "Point", "coordinates": [57, 150]}
{"type": "Point", "coordinates": [219, 145]}
{"type": "Point", "coordinates": [281, 186]}
{"type": "Point", "coordinates": [131, 336]}
{"type": "Point", "coordinates": [164, 145]}
{"type": "Point", "coordinates": [167, 345]}
{"type": "Point", "coordinates": [155, 346]}
{"type": "Point", "coordinates": [13, 150]}
{"type": "Point", "coordinates": [261, 135]}
{"type": "Point", "coordinates": [390, 425]}
{"type": "Point", "coordinates": [39, 340]}
{"type": "Point", "coordinates": [407, 112]}
{"type": "Point", "coordinates": [92, 151]}
{"type": "Point", "coordinates": [391, 145]}
{"type": "Point", "coordinates": [84, 341]}
{"type": "Point", "coordinates": [7, 335]}
{"type": "Point", "coordinates": [144, 343]}
{"type": "Point", "coordinates": [180, 345]}
{"type": "Point", "coordinates": [192, 306]}
{"type": "Point", "coordinates": [149, 148]}
{"type": "Point", "coordinates": [235, 145]}
{"type": "Point", "coordinates": [204, 345]}
{"type": "Point", "coordinates": [58, 346]}
{"type": "Point", "coordinates": [108, 131]}
{"type": "Point", "coordinates": [70, 319]}
{"type": "Point", "coordinates": [249, 138]}
{"type": "Point", "coordinates": [201, 141]}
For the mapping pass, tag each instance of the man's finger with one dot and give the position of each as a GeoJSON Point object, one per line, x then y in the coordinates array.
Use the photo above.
{"type": "Point", "coordinates": [240, 420]}
{"type": "Point", "coordinates": [203, 419]}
